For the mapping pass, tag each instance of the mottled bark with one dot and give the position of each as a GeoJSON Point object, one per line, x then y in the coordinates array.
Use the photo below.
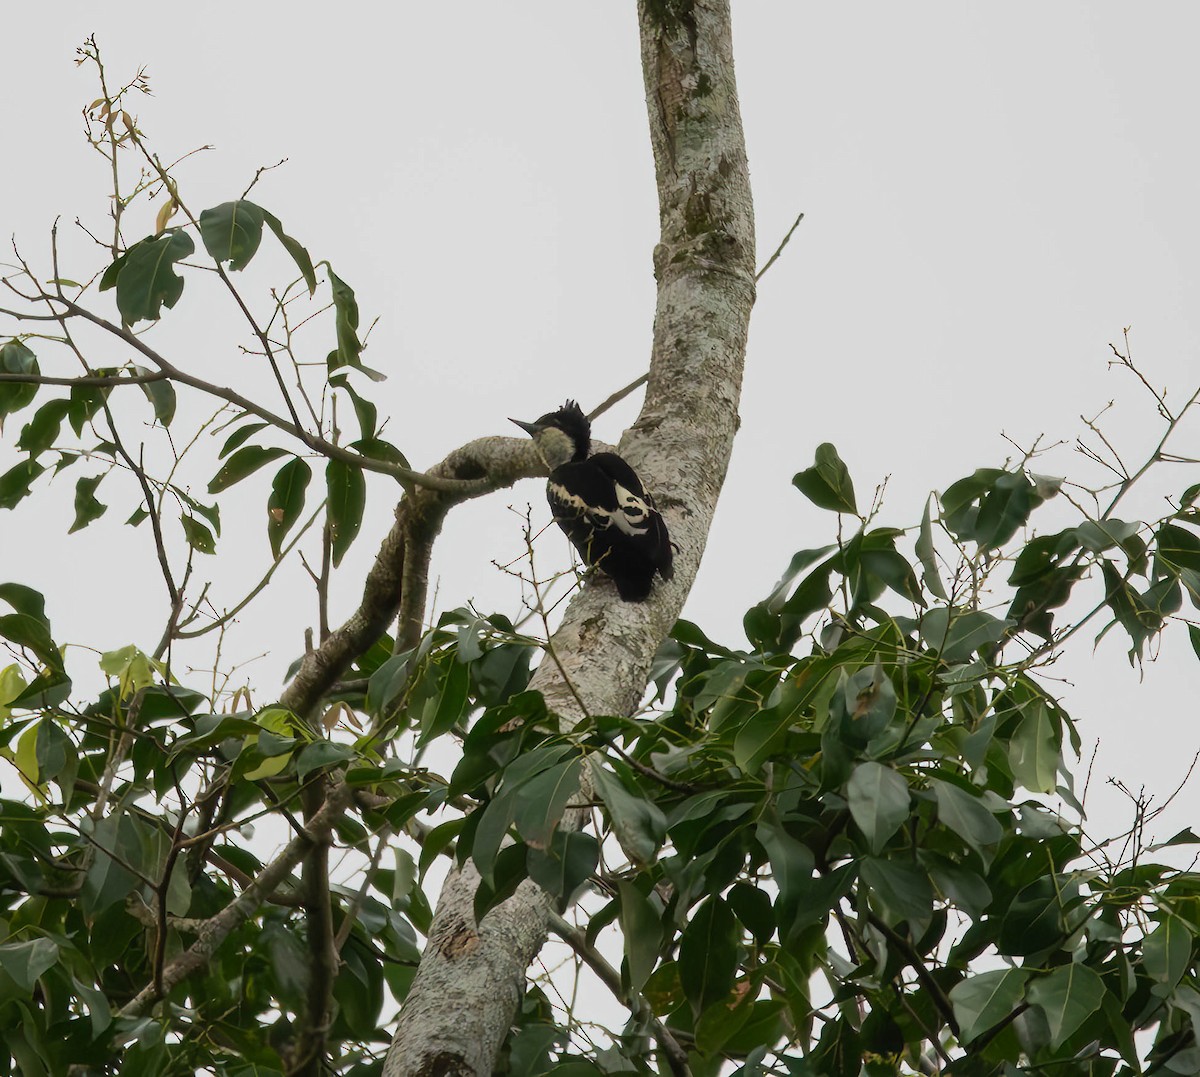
{"type": "Point", "coordinates": [462, 1001]}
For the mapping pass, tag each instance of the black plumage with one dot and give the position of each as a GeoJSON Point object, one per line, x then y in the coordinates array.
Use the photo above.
{"type": "Point", "coordinates": [601, 504]}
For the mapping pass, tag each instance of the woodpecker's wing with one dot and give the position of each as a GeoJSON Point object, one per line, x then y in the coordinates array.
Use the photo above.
{"type": "Point", "coordinates": [639, 517]}
{"type": "Point", "coordinates": [606, 513]}
{"type": "Point", "coordinates": [633, 509]}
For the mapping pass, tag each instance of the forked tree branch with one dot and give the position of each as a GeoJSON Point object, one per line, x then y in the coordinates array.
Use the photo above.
{"type": "Point", "coordinates": [394, 587]}
{"type": "Point", "coordinates": [218, 927]}
{"type": "Point", "coordinates": [472, 975]}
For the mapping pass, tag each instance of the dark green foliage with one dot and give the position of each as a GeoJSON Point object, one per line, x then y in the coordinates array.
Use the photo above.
{"type": "Point", "coordinates": [16, 358]}
{"type": "Point", "coordinates": [827, 852]}
{"type": "Point", "coordinates": [145, 278]}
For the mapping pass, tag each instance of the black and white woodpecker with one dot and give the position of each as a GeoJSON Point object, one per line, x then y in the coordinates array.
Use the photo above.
{"type": "Point", "coordinates": [601, 504]}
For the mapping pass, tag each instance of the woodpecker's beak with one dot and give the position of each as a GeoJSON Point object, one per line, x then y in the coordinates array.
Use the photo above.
{"type": "Point", "coordinates": [531, 429]}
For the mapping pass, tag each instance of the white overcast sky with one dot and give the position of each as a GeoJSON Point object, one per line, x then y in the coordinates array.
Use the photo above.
{"type": "Point", "coordinates": [992, 192]}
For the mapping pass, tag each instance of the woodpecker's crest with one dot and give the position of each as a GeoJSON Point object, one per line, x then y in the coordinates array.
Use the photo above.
{"type": "Point", "coordinates": [560, 435]}
{"type": "Point", "coordinates": [600, 503]}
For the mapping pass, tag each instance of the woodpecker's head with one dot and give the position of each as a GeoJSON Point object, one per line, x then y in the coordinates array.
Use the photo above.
{"type": "Point", "coordinates": [561, 435]}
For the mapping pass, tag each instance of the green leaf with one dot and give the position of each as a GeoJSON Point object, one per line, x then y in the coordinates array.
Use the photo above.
{"type": "Point", "coordinates": [120, 845]}
{"type": "Point", "coordinates": [1139, 620]}
{"type": "Point", "coordinates": [1166, 952]}
{"type": "Point", "coordinates": [146, 280]}
{"type": "Point", "coordinates": [990, 505]}
{"type": "Point", "coordinates": [765, 730]}
{"type": "Point", "coordinates": [347, 493]}
{"type": "Point", "coordinates": [957, 635]}
{"type": "Point", "coordinates": [872, 558]}
{"type": "Point", "coordinates": [345, 306]}
{"type": "Point", "coordinates": [1068, 997]}
{"type": "Point", "coordinates": [638, 824]}
{"type": "Point", "coordinates": [642, 928]}
{"type": "Point", "coordinates": [542, 799]}
{"type": "Point", "coordinates": [161, 394]}
{"type": "Point", "coordinates": [25, 962]}
{"type": "Point", "coordinates": [241, 434]}
{"type": "Point", "coordinates": [87, 508]}
{"type": "Point", "coordinates": [959, 508]}
{"type": "Point", "coordinates": [490, 832]}
{"type": "Point", "coordinates": [1178, 547]}
{"type": "Point", "coordinates": [286, 502]}
{"type": "Point", "coordinates": [827, 483]}
{"type": "Point", "coordinates": [985, 1000]}
{"type": "Point", "coordinates": [40, 433]}
{"type": "Point", "coordinates": [1100, 535]}
{"type": "Point", "coordinates": [708, 954]}
{"type": "Point", "coordinates": [965, 888]}
{"type": "Point", "coordinates": [366, 412]}
{"type": "Point", "coordinates": [16, 358]}
{"type": "Point", "coordinates": [927, 557]}
{"type": "Point", "coordinates": [529, 1049]}
{"type": "Point", "coordinates": [27, 630]}
{"type": "Point", "coordinates": [442, 716]}
{"type": "Point", "coordinates": [1035, 920]}
{"type": "Point", "coordinates": [378, 449]}
{"type": "Point", "coordinates": [25, 757]}
{"type": "Point", "coordinates": [966, 815]}
{"type": "Point", "coordinates": [437, 841]}
{"type": "Point", "coordinates": [242, 463]}
{"type": "Point", "coordinates": [879, 802]}
{"type": "Point", "coordinates": [802, 900]}
{"type": "Point", "coordinates": [321, 753]}
{"type": "Point", "coordinates": [900, 889]}
{"type": "Point", "coordinates": [870, 701]}
{"type": "Point", "coordinates": [1006, 508]}
{"type": "Point", "coordinates": [564, 868]}
{"type": "Point", "coordinates": [85, 401]}
{"type": "Point", "coordinates": [232, 232]}
{"type": "Point", "coordinates": [12, 684]}
{"type": "Point", "coordinates": [1033, 752]}
{"type": "Point", "coordinates": [199, 537]}
{"type": "Point", "coordinates": [752, 907]}
{"type": "Point", "coordinates": [211, 513]}
{"type": "Point", "coordinates": [25, 599]}
{"type": "Point", "coordinates": [718, 1024]}
{"type": "Point", "coordinates": [299, 255]}
{"type": "Point", "coordinates": [16, 481]}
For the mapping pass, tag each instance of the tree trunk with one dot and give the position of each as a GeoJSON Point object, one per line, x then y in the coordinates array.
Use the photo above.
{"type": "Point", "coordinates": [466, 991]}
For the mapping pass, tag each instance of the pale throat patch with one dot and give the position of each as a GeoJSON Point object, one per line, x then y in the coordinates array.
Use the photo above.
{"type": "Point", "coordinates": [554, 447]}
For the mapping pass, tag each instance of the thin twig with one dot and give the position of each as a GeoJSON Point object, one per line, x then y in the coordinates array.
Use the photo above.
{"type": "Point", "coordinates": [97, 381]}
{"type": "Point", "coordinates": [778, 250]}
{"type": "Point", "coordinates": [675, 1055]}
{"type": "Point", "coordinates": [619, 395]}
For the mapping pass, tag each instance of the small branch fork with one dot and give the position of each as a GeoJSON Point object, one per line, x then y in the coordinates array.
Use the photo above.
{"type": "Point", "coordinates": [218, 927]}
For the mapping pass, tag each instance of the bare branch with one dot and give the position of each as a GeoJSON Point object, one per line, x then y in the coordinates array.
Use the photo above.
{"type": "Point", "coordinates": [318, 444]}
{"type": "Point", "coordinates": [97, 381]}
{"type": "Point", "coordinates": [779, 250]}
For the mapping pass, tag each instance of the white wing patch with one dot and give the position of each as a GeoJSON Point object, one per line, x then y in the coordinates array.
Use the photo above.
{"type": "Point", "coordinates": [631, 517]}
